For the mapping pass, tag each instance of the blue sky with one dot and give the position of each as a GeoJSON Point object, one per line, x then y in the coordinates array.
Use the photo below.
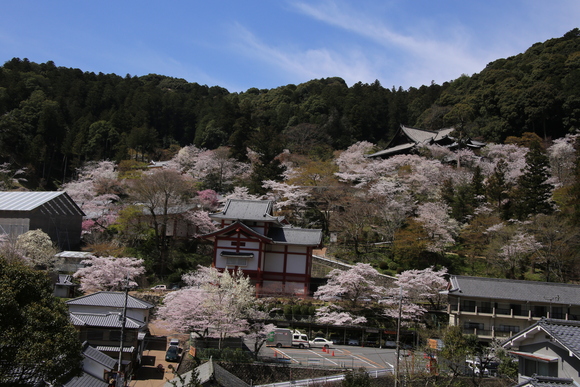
{"type": "Point", "coordinates": [271, 43]}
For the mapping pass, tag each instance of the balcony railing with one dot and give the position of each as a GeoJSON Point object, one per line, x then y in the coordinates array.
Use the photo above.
{"type": "Point", "coordinates": [521, 313]}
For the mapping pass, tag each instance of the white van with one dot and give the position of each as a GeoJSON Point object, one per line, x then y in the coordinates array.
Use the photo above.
{"type": "Point", "coordinates": [300, 340]}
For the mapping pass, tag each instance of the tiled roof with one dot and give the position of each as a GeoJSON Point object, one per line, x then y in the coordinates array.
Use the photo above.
{"type": "Point", "coordinates": [517, 290]}
{"type": "Point", "coordinates": [99, 357]}
{"type": "Point", "coordinates": [85, 380]}
{"type": "Point", "coordinates": [109, 320]}
{"type": "Point", "coordinates": [422, 135]}
{"type": "Point", "coordinates": [295, 236]}
{"type": "Point", "coordinates": [53, 202]}
{"type": "Point", "coordinates": [255, 210]}
{"type": "Point", "coordinates": [547, 381]}
{"type": "Point", "coordinates": [564, 332]}
{"type": "Point", "coordinates": [112, 299]}
{"type": "Point", "coordinates": [210, 372]}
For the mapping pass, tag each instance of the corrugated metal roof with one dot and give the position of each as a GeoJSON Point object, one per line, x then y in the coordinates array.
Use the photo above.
{"type": "Point", "coordinates": [52, 202]}
{"type": "Point", "coordinates": [517, 290]}
{"type": "Point", "coordinates": [111, 299]}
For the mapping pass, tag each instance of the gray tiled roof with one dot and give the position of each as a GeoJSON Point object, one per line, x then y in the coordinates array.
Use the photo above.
{"type": "Point", "coordinates": [207, 372]}
{"type": "Point", "coordinates": [112, 299]}
{"type": "Point", "coordinates": [53, 202]}
{"type": "Point", "coordinates": [85, 380]}
{"type": "Point", "coordinates": [564, 332]}
{"type": "Point", "coordinates": [547, 381]}
{"type": "Point", "coordinates": [295, 236]}
{"type": "Point", "coordinates": [254, 210]}
{"type": "Point", "coordinates": [517, 290]}
{"type": "Point", "coordinates": [109, 320]}
{"type": "Point", "coordinates": [99, 357]}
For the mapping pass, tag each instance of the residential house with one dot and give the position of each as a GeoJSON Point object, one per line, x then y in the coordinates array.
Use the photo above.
{"type": "Point", "coordinates": [499, 308]}
{"type": "Point", "coordinates": [98, 320]}
{"type": "Point", "coordinates": [64, 286]}
{"type": "Point", "coordinates": [55, 213]}
{"type": "Point", "coordinates": [276, 256]}
{"type": "Point", "coordinates": [70, 261]}
{"type": "Point", "coordinates": [98, 369]}
{"type": "Point", "coordinates": [549, 349]}
{"type": "Point", "coordinates": [408, 140]}
{"type": "Point", "coordinates": [209, 374]}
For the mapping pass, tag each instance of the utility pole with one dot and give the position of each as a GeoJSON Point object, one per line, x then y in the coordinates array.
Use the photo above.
{"type": "Point", "coordinates": [123, 318]}
{"type": "Point", "coordinates": [398, 351]}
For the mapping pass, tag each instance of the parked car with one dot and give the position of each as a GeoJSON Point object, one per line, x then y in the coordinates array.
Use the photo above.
{"type": "Point", "coordinates": [172, 353]}
{"type": "Point", "coordinates": [353, 342]}
{"type": "Point", "coordinates": [159, 287]}
{"type": "Point", "coordinates": [390, 344]}
{"type": "Point", "coordinates": [321, 343]}
{"type": "Point", "coordinates": [174, 342]}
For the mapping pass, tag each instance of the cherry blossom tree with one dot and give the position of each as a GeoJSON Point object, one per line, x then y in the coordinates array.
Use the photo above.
{"type": "Point", "coordinates": [415, 289]}
{"type": "Point", "coordinates": [333, 314]}
{"type": "Point", "coordinates": [241, 193]}
{"type": "Point", "coordinates": [214, 304]}
{"type": "Point", "coordinates": [440, 227]}
{"type": "Point", "coordinates": [108, 273]}
{"type": "Point", "coordinates": [355, 285]}
{"type": "Point", "coordinates": [201, 220]}
{"type": "Point", "coordinates": [97, 191]}
{"type": "Point", "coordinates": [37, 249]}
{"type": "Point", "coordinates": [10, 177]}
{"type": "Point", "coordinates": [562, 155]}
{"type": "Point", "coordinates": [208, 199]}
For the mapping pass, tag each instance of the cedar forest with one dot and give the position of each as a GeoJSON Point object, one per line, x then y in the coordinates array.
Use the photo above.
{"type": "Point", "coordinates": [510, 209]}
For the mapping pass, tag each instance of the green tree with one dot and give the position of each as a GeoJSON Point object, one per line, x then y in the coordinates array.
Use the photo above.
{"type": "Point", "coordinates": [498, 189]}
{"type": "Point", "coordinates": [534, 191]}
{"type": "Point", "coordinates": [36, 337]}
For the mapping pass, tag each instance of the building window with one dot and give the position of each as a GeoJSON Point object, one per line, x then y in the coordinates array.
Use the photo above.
{"type": "Point", "coordinates": [508, 328]}
{"type": "Point", "coordinates": [533, 367]}
{"type": "Point", "coordinates": [94, 336]}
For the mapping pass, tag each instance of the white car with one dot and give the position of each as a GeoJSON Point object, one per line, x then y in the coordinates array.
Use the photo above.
{"type": "Point", "coordinates": [321, 342]}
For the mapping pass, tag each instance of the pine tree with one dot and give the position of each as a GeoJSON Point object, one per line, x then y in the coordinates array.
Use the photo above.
{"type": "Point", "coordinates": [534, 192]}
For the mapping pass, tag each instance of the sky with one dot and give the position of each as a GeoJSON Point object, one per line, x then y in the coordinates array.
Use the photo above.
{"type": "Point", "coordinates": [266, 44]}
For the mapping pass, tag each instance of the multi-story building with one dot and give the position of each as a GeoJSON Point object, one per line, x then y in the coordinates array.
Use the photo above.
{"type": "Point", "coordinates": [276, 256]}
{"type": "Point", "coordinates": [499, 308]}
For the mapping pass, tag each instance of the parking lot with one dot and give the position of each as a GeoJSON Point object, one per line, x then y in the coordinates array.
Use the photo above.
{"type": "Point", "coordinates": [339, 356]}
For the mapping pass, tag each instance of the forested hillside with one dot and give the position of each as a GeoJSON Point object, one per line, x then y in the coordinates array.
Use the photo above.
{"type": "Point", "coordinates": [53, 119]}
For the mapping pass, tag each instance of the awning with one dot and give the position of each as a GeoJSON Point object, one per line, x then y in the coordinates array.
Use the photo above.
{"type": "Point", "coordinates": [536, 356]}
{"type": "Point", "coordinates": [236, 254]}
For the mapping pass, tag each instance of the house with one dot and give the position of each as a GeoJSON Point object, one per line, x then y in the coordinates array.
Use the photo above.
{"type": "Point", "coordinates": [98, 369]}
{"type": "Point", "coordinates": [70, 261]}
{"type": "Point", "coordinates": [408, 139]}
{"type": "Point", "coordinates": [64, 286]}
{"type": "Point", "coordinates": [98, 320]}
{"type": "Point", "coordinates": [548, 352]}
{"type": "Point", "coordinates": [208, 374]}
{"type": "Point", "coordinates": [55, 213]}
{"type": "Point", "coordinates": [499, 308]}
{"type": "Point", "coordinates": [276, 256]}
{"type": "Point", "coordinates": [105, 302]}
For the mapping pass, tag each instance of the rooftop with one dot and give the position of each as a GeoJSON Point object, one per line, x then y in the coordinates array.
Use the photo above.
{"type": "Point", "coordinates": [518, 290]}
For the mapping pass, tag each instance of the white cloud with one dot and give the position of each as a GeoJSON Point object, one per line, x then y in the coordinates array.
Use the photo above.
{"type": "Point", "coordinates": [307, 64]}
